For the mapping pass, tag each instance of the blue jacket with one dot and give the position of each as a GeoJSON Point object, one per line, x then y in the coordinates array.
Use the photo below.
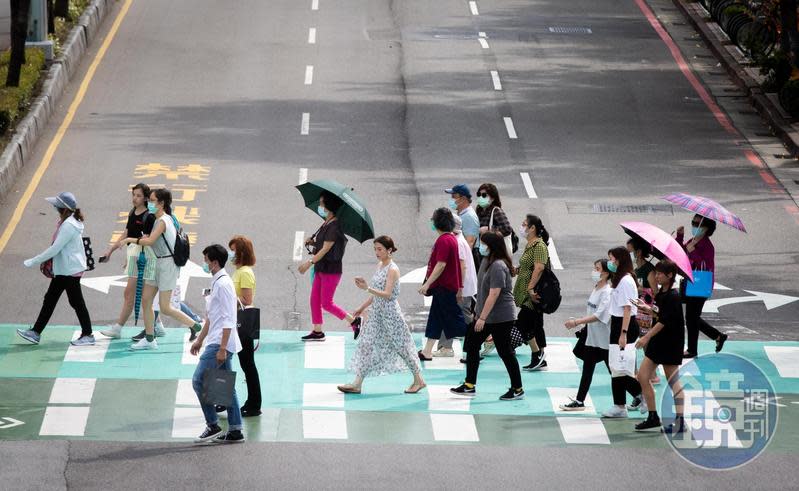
{"type": "Point", "coordinates": [67, 251]}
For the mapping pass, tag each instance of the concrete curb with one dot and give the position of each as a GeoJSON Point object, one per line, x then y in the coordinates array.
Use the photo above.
{"type": "Point", "coordinates": [746, 78]}
{"type": "Point", "coordinates": [29, 130]}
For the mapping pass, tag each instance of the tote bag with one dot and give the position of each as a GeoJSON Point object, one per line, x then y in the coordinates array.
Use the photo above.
{"type": "Point", "coordinates": [622, 361]}
{"type": "Point", "coordinates": [218, 386]}
{"type": "Point", "coordinates": [702, 286]}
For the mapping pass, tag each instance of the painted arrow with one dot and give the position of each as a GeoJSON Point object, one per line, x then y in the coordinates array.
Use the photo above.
{"type": "Point", "coordinates": [770, 300]}
{"type": "Point", "coordinates": [415, 276]}
{"type": "Point", "coordinates": [103, 284]}
{"type": "Point", "coordinates": [11, 423]}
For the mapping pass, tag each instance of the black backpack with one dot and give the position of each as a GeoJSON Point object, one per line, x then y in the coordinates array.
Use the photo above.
{"type": "Point", "coordinates": [548, 289]}
{"type": "Point", "coordinates": [180, 254]}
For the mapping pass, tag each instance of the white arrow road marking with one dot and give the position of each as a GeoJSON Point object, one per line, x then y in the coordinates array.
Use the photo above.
{"type": "Point", "coordinates": [415, 276]}
{"type": "Point", "coordinates": [103, 284]}
{"type": "Point", "coordinates": [6, 423]}
{"type": "Point", "coordinates": [771, 301]}
{"type": "Point", "coordinates": [718, 286]}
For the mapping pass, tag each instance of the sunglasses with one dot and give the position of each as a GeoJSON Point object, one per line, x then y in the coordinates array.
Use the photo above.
{"type": "Point", "coordinates": [482, 195]}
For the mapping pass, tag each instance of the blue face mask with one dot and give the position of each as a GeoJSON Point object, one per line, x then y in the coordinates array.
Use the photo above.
{"type": "Point", "coordinates": [452, 204]}
{"type": "Point", "coordinates": [612, 267]}
{"type": "Point", "coordinates": [432, 226]}
{"type": "Point", "coordinates": [322, 212]}
{"type": "Point", "coordinates": [696, 231]}
{"type": "Point", "coordinates": [206, 268]}
{"type": "Point", "coordinates": [231, 256]}
{"type": "Point", "coordinates": [151, 207]}
{"type": "Point", "coordinates": [483, 249]}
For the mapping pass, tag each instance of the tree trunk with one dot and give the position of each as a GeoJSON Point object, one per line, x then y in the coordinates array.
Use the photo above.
{"type": "Point", "coordinates": [61, 8]}
{"type": "Point", "coordinates": [789, 41]}
{"type": "Point", "coordinates": [19, 33]}
{"type": "Point", "coordinates": [50, 17]}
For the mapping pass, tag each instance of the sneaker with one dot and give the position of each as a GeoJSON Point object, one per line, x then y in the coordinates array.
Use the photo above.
{"type": "Point", "coordinates": [678, 426]}
{"type": "Point", "coordinates": [650, 423]}
{"type": "Point", "coordinates": [29, 335]}
{"type": "Point", "coordinates": [314, 336]}
{"type": "Point", "coordinates": [114, 331]}
{"type": "Point", "coordinates": [210, 433]}
{"type": "Point", "coordinates": [444, 353]}
{"type": "Point", "coordinates": [512, 395]}
{"type": "Point", "coordinates": [248, 413]}
{"type": "Point", "coordinates": [192, 334]}
{"type": "Point", "coordinates": [542, 365]}
{"type": "Point", "coordinates": [463, 360]}
{"type": "Point", "coordinates": [356, 327]}
{"type": "Point", "coordinates": [575, 405]}
{"type": "Point", "coordinates": [720, 342]}
{"type": "Point", "coordinates": [232, 436]}
{"type": "Point", "coordinates": [636, 404]}
{"type": "Point", "coordinates": [193, 330]}
{"type": "Point", "coordinates": [83, 341]}
{"type": "Point", "coordinates": [462, 390]}
{"type": "Point", "coordinates": [488, 348]}
{"type": "Point", "coordinates": [615, 412]}
{"type": "Point", "coordinates": [536, 362]}
{"type": "Point", "coordinates": [143, 344]}
{"type": "Point", "coordinates": [158, 331]}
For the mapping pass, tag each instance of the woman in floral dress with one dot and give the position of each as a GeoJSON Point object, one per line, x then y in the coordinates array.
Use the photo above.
{"type": "Point", "coordinates": [385, 344]}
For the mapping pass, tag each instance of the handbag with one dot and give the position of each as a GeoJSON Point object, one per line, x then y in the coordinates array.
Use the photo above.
{"type": "Point", "coordinates": [702, 286]}
{"type": "Point", "coordinates": [47, 268]}
{"type": "Point", "coordinates": [645, 320]}
{"type": "Point", "coordinates": [516, 338]}
{"type": "Point", "coordinates": [622, 361]}
{"type": "Point", "coordinates": [579, 347]}
{"type": "Point", "coordinates": [248, 322]}
{"type": "Point", "coordinates": [508, 240]}
{"type": "Point", "coordinates": [218, 386]}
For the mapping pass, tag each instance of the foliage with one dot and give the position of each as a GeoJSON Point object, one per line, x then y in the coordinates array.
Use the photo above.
{"type": "Point", "coordinates": [789, 97]}
{"type": "Point", "coordinates": [13, 100]}
{"type": "Point", "coordinates": [777, 70]}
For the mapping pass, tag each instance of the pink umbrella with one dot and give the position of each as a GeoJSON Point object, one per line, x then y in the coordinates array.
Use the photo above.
{"type": "Point", "coordinates": [707, 208]}
{"type": "Point", "coordinates": [663, 244]}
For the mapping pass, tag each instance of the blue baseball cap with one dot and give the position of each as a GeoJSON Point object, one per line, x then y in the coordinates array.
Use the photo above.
{"type": "Point", "coordinates": [64, 200]}
{"type": "Point", "coordinates": [461, 189]}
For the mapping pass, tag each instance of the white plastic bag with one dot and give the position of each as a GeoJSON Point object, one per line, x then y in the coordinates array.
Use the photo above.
{"type": "Point", "coordinates": [622, 361]}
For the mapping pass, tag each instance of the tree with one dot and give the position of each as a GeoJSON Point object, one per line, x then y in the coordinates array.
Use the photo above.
{"type": "Point", "coordinates": [19, 33]}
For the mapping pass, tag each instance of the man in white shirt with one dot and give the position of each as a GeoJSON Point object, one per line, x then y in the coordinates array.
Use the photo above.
{"type": "Point", "coordinates": [222, 343]}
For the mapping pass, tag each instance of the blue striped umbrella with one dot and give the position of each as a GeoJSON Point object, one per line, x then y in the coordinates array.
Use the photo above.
{"type": "Point", "coordinates": [141, 262]}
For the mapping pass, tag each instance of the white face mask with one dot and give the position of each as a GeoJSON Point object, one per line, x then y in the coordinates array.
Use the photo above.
{"type": "Point", "coordinates": [523, 232]}
{"type": "Point", "coordinates": [632, 257]}
{"type": "Point", "coordinates": [596, 275]}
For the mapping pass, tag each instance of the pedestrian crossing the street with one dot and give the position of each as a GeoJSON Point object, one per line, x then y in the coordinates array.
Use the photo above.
{"type": "Point", "coordinates": [109, 393]}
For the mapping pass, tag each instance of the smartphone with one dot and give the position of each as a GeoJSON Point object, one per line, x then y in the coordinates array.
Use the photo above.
{"type": "Point", "coordinates": [206, 292]}
{"type": "Point", "coordinates": [103, 259]}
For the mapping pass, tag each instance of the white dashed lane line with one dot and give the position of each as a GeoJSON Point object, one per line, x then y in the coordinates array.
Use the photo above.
{"type": "Point", "coordinates": [528, 185]}
{"type": "Point", "coordinates": [482, 39]}
{"type": "Point", "coordinates": [553, 255]}
{"type": "Point", "coordinates": [305, 125]}
{"type": "Point", "coordinates": [495, 80]}
{"type": "Point", "coordinates": [314, 4]}
{"type": "Point", "coordinates": [511, 129]}
{"type": "Point", "coordinates": [473, 8]}
{"type": "Point", "coordinates": [312, 35]}
{"type": "Point", "coordinates": [299, 240]}
{"type": "Point", "coordinates": [308, 74]}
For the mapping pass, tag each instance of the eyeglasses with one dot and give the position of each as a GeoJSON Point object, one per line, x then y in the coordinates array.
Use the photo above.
{"type": "Point", "coordinates": [482, 195]}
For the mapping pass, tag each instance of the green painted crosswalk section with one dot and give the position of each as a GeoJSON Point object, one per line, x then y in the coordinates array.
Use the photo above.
{"type": "Point", "coordinates": [110, 393]}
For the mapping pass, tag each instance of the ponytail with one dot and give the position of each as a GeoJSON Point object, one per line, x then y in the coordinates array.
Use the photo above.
{"type": "Point", "coordinates": [164, 196]}
{"type": "Point", "coordinates": [540, 230]}
{"type": "Point", "coordinates": [77, 214]}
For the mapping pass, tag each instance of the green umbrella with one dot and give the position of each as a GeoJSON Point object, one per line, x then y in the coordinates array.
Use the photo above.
{"type": "Point", "coordinates": [353, 216]}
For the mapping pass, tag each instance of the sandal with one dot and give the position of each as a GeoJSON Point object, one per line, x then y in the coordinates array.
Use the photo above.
{"type": "Point", "coordinates": [422, 357]}
{"type": "Point", "coordinates": [410, 390]}
{"type": "Point", "coordinates": [349, 389]}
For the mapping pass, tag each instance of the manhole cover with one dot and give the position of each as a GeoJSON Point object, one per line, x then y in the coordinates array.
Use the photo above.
{"type": "Point", "coordinates": [615, 208]}
{"type": "Point", "coordinates": [570, 30]}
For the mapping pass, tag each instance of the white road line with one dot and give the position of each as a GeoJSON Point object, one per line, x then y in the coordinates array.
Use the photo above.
{"type": "Point", "coordinates": [303, 175]}
{"type": "Point", "coordinates": [314, 4]}
{"type": "Point", "coordinates": [324, 425]}
{"type": "Point", "coordinates": [299, 241]}
{"type": "Point", "coordinates": [553, 255]}
{"type": "Point", "coordinates": [583, 430]}
{"type": "Point", "coordinates": [90, 354]}
{"type": "Point", "coordinates": [441, 399]}
{"type": "Point", "coordinates": [785, 358]}
{"type": "Point", "coordinates": [64, 421]}
{"type": "Point", "coordinates": [482, 39]}
{"type": "Point", "coordinates": [322, 395]}
{"type": "Point", "coordinates": [325, 354]}
{"type": "Point", "coordinates": [450, 363]}
{"type": "Point", "coordinates": [308, 74]}
{"type": "Point", "coordinates": [185, 395]}
{"type": "Point", "coordinates": [510, 128]}
{"type": "Point", "coordinates": [312, 35]}
{"type": "Point", "coordinates": [560, 358]}
{"type": "Point", "coordinates": [561, 395]}
{"type": "Point", "coordinates": [528, 185]}
{"type": "Point", "coordinates": [495, 80]}
{"type": "Point", "coordinates": [187, 358]}
{"type": "Point", "coordinates": [187, 422]}
{"type": "Point", "coordinates": [305, 126]}
{"type": "Point", "coordinates": [473, 8]}
{"type": "Point", "coordinates": [72, 391]}
{"type": "Point", "coordinates": [454, 427]}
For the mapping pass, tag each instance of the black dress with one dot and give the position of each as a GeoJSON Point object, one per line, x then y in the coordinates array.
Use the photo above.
{"type": "Point", "coordinates": [666, 347]}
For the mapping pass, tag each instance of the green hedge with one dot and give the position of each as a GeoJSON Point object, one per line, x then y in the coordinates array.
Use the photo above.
{"type": "Point", "coordinates": [14, 100]}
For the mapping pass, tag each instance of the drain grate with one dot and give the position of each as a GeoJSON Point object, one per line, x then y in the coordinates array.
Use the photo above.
{"type": "Point", "coordinates": [570, 30]}
{"type": "Point", "coordinates": [618, 209]}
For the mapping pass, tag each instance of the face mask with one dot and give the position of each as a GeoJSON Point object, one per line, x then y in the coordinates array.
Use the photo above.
{"type": "Point", "coordinates": [596, 275]}
{"type": "Point", "coordinates": [523, 232]}
{"type": "Point", "coordinates": [452, 204]}
{"type": "Point", "coordinates": [151, 207]}
{"type": "Point", "coordinates": [483, 202]}
{"type": "Point", "coordinates": [432, 226]}
{"type": "Point", "coordinates": [231, 256]}
{"type": "Point", "coordinates": [632, 257]}
{"type": "Point", "coordinates": [483, 249]}
{"type": "Point", "coordinates": [322, 212]}
{"type": "Point", "coordinates": [612, 267]}
{"type": "Point", "coordinates": [206, 268]}
{"type": "Point", "coordinates": [696, 231]}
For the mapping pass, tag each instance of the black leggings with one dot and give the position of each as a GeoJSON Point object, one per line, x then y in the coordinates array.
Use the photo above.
{"type": "Point", "coordinates": [593, 356]}
{"type": "Point", "coordinates": [57, 286]}
{"type": "Point", "coordinates": [625, 383]}
{"type": "Point", "coordinates": [530, 324]}
{"type": "Point", "coordinates": [501, 333]}
{"type": "Point", "coordinates": [694, 323]}
{"type": "Point", "coordinates": [247, 362]}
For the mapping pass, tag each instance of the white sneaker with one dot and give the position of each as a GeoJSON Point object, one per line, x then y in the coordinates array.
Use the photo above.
{"type": "Point", "coordinates": [488, 348]}
{"type": "Point", "coordinates": [159, 330]}
{"type": "Point", "coordinates": [615, 412]}
{"type": "Point", "coordinates": [113, 331]}
{"type": "Point", "coordinates": [143, 344]}
{"type": "Point", "coordinates": [444, 353]}
{"type": "Point", "coordinates": [643, 407]}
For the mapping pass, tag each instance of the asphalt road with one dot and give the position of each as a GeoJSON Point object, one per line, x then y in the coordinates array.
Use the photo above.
{"type": "Point", "coordinates": [401, 104]}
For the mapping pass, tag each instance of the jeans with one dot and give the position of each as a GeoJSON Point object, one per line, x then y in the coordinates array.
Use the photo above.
{"type": "Point", "coordinates": [59, 284]}
{"type": "Point", "coordinates": [501, 333]}
{"type": "Point", "coordinates": [694, 323]}
{"type": "Point", "coordinates": [208, 360]}
{"type": "Point", "coordinates": [247, 363]}
{"type": "Point", "coordinates": [322, 291]}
